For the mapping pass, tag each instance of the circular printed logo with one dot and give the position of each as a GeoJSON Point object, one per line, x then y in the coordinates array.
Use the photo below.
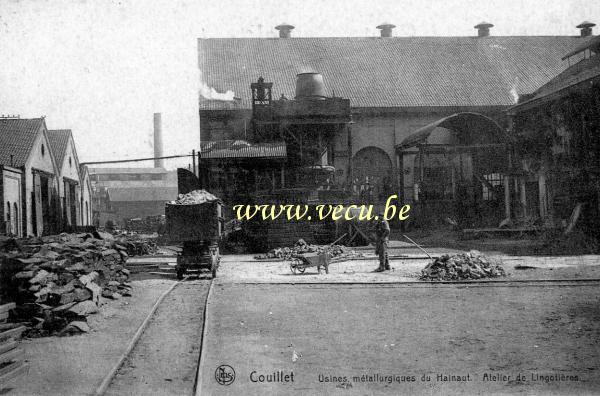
{"type": "Point", "coordinates": [225, 374]}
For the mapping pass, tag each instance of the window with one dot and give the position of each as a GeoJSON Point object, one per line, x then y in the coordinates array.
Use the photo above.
{"type": "Point", "coordinates": [43, 150]}
{"type": "Point", "coordinates": [70, 163]}
{"type": "Point", "coordinates": [493, 180]}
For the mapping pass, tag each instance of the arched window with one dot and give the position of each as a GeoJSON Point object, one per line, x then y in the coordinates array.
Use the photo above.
{"type": "Point", "coordinates": [8, 219]}
{"type": "Point", "coordinates": [43, 150]}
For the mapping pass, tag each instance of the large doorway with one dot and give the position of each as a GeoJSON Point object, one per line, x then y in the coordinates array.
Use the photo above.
{"type": "Point", "coordinates": [373, 175]}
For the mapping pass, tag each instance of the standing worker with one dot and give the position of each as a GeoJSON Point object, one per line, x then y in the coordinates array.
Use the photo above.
{"type": "Point", "coordinates": [382, 233]}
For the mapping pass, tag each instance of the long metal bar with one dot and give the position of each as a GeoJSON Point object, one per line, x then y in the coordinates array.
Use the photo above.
{"type": "Point", "coordinates": [419, 246]}
{"type": "Point", "coordinates": [135, 160]}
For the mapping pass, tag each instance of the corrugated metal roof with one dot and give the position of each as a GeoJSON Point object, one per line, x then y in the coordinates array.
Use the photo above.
{"type": "Point", "coordinates": [110, 171]}
{"type": "Point", "coordinates": [59, 138]}
{"type": "Point", "coordinates": [242, 149]}
{"type": "Point", "coordinates": [17, 136]}
{"type": "Point", "coordinates": [387, 72]}
{"type": "Point", "coordinates": [137, 194]}
{"type": "Point", "coordinates": [463, 123]}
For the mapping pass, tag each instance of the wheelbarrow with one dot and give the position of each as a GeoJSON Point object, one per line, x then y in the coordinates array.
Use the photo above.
{"type": "Point", "coordinates": [300, 262]}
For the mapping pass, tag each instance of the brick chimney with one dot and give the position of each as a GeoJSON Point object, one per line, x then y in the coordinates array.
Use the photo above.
{"type": "Point", "coordinates": [483, 29]}
{"type": "Point", "coordinates": [586, 28]}
{"type": "Point", "coordinates": [285, 30]}
{"type": "Point", "coordinates": [158, 142]}
{"type": "Point", "coordinates": [386, 29]}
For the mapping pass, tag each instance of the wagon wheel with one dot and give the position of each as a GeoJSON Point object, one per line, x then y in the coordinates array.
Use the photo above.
{"type": "Point", "coordinates": [214, 262]}
{"type": "Point", "coordinates": [180, 273]}
{"type": "Point", "coordinates": [296, 266]}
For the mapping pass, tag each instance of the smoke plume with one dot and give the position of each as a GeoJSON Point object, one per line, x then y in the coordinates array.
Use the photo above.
{"type": "Point", "coordinates": [210, 93]}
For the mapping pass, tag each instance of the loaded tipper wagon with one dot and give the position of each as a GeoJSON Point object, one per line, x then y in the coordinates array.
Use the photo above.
{"type": "Point", "coordinates": [195, 220]}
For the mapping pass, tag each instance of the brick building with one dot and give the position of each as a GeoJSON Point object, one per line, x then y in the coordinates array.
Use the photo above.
{"type": "Point", "coordinates": [73, 182]}
{"type": "Point", "coordinates": [30, 191]}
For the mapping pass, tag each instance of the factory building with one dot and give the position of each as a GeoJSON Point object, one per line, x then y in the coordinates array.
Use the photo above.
{"type": "Point", "coordinates": [397, 87]}
{"type": "Point", "coordinates": [43, 189]}
{"type": "Point", "coordinates": [557, 157]}
{"type": "Point", "coordinates": [121, 194]}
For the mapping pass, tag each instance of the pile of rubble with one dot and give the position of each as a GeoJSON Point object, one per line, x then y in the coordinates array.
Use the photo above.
{"type": "Point", "coordinates": [301, 246]}
{"type": "Point", "coordinates": [57, 281]}
{"type": "Point", "coordinates": [472, 265]}
{"type": "Point", "coordinates": [136, 246]}
{"type": "Point", "coordinates": [194, 197]}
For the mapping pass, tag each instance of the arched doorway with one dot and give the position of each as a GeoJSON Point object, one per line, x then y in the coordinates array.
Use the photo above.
{"type": "Point", "coordinates": [460, 169]}
{"type": "Point", "coordinates": [372, 173]}
{"type": "Point", "coordinates": [16, 219]}
{"type": "Point", "coordinates": [8, 219]}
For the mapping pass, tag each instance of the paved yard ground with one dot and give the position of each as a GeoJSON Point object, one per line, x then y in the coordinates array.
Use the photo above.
{"type": "Point", "coordinates": [243, 268]}
{"type": "Point", "coordinates": [355, 336]}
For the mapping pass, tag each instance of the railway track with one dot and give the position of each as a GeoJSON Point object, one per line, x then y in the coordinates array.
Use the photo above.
{"type": "Point", "coordinates": [169, 337]}
{"type": "Point", "coordinates": [174, 337]}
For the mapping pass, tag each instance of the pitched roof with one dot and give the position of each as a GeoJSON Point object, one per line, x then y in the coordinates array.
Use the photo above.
{"type": "Point", "coordinates": [129, 194]}
{"type": "Point", "coordinates": [241, 149]}
{"type": "Point", "coordinates": [59, 138]}
{"type": "Point", "coordinates": [17, 136]}
{"type": "Point", "coordinates": [387, 72]}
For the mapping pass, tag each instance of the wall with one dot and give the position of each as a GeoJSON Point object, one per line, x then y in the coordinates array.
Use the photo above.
{"type": "Point", "coordinates": [70, 169]}
{"type": "Point", "coordinates": [381, 128]}
{"type": "Point", "coordinates": [42, 162]}
{"type": "Point", "coordinates": [225, 125]}
{"type": "Point", "coordinates": [136, 209]}
{"type": "Point", "coordinates": [11, 193]}
{"type": "Point", "coordinates": [86, 198]}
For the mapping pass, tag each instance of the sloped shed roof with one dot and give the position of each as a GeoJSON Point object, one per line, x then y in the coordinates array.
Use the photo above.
{"type": "Point", "coordinates": [241, 149]}
{"type": "Point", "coordinates": [584, 71]}
{"type": "Point", "coordinates": [462, 123]}
{"type": "Point", "coordinates": [387, 72]}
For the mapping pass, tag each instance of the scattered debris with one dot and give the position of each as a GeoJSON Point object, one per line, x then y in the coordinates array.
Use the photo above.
{"type": "Point", "coordinates": [524, 267]}
{"type": "Point", "coordinates": [472, 265]}
{"type": "Point", "coordinates": [194, 197]}
{"type": "Point", "coordinates": [302, 247]}
{"type": "Point", "coordinates": [58, 280]}
{"type": "Point", "coordinates": [136, 246]}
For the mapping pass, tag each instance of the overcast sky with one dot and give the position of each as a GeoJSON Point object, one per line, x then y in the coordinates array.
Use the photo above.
{"type": "Point", "coordinates": [101, 68]}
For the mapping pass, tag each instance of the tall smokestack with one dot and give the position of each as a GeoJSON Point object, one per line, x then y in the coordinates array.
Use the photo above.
{"type": "Point", "coordinates": [158, 143]}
